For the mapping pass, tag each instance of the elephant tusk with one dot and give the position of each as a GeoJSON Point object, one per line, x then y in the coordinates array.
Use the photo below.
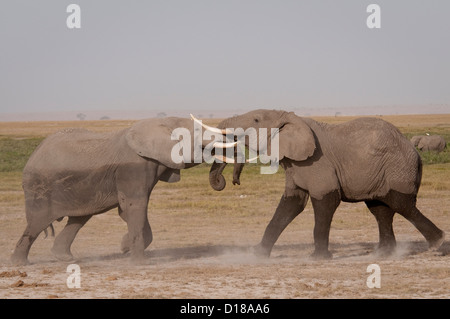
{"type": "Point", "coordinates": [213, 129]}
{"type": "Point", "coordinates": [225, 145]}
{"type": "Point", "coordinates": [251, 159]}
{"type": "Point", "coordinates": [224, 159]}
{"type": "Point", "coordinates": [231, 160]}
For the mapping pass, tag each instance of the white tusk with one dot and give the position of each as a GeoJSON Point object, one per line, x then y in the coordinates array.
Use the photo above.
{"type": "Point", "coordinates": [224, 159]}
{"type": "Point", "coordinates": [231, 160]}
{"type": "Point", "coordinates": [225, 145]}
{"type": "Point", "coordinates": [213, 129]}
{"type": "Point", "coordinates": [251, 159]}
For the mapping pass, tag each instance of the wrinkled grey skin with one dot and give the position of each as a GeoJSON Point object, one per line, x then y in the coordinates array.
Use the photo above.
{"type": "Point", "coordinates": [366, 159]}
{"type": "Point", "coordinates": [78, 173]}
{"type": "Point", "coordinates": [429, 142]}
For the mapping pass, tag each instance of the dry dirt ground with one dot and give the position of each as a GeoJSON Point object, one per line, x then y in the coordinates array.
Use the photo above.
{"type": "Point", "coordinates": [202, 247]}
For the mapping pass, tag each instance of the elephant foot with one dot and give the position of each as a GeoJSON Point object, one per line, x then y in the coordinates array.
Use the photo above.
{"type": "Point", "coordinates": [385, 250]}
{"type": "Point", "coordinates": [62, 255]}
{"type": "Point", "coordinates": [321, 255]}
{"type": "Point", "coordinates": [137, 259]}
{"type": "Point", "coordinates": [19, 260]}
{"type": "Point", "coordinates": [261, 251]}
{"type": "Point", "coordinates": [125, 244]}
{"type": "Point", "coordinates": [435, 243]}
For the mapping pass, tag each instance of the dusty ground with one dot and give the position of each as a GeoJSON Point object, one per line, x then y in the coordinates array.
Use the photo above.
{"type": "Point", "coordinates": [202, 240]}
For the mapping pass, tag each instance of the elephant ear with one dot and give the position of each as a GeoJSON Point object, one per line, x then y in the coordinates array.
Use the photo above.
{"type": "Point", "coordinates": [151, 138]}
{"type": "Point", "coordinates": [296, 139]}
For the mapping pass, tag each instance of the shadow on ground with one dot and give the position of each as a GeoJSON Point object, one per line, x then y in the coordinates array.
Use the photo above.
{"type": "Point", "coordinates": [301, 251]}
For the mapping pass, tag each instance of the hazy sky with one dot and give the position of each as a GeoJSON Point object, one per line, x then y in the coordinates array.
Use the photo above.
{"type": "Point", "coordinates": [218, 54]}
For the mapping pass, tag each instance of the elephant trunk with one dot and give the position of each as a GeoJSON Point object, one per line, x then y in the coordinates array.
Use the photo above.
{"type": "Point", "coordinates": [216, 179]}
{"type": "Point", "coordinates": [237, 170]}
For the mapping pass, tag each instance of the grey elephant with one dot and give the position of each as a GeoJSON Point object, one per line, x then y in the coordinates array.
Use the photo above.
{"type": "Point", "coordinates": [366, 159]}
{"type": "Point", "coordinates": [429, 142]}
{"type": "Point", "coordinates": [78, 173]}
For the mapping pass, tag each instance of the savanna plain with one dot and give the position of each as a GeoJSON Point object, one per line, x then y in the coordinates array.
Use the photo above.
{"type": "Point", "coordinates": [202, 239]}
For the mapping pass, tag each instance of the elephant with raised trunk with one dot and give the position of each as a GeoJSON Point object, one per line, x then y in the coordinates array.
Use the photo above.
{"type": "Point", "coordinates": [78, 173]}
{"type": "Point", "coordinates": [366, 159]}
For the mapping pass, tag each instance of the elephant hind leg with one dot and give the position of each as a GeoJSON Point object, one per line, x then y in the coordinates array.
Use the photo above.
{"type": "Point", "coordinates": [384, 216]}
{"type": "Point", "coordinates": [34, 227]}
{"type": "Point", "coordinates": [405, 205]}
{"type": "Point", "coordinates": [61, 246]}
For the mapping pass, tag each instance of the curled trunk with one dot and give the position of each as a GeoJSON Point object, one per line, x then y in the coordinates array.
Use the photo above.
{"type": "Point", "coordinates": [216, 179]}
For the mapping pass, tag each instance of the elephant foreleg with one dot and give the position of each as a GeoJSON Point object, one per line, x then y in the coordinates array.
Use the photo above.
{"type": "Point", "coordinates": [61, 246]}
{"type": "Point", "coordinates": [125, 245]}
{"type": "Point", "coordinates": [323, 214]}
{"type": "Point", "coordinates": [287, 210]}
{"type": "Point", "coordinates": [133, 209]}
{"type": "Point", "coordinates": [136, 225]}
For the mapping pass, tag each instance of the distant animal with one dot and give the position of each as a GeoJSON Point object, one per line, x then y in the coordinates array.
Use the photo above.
{"type": "Point", "coordinates": [79, 173]}
{"type": "Point", "coordinates": [429, 142]}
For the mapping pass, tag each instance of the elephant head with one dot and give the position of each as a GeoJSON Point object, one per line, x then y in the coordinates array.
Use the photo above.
{"type": "Point", "coordinates": [159, 139]}
{"type": "Point", "coordinates": [416, 139]}
{"type": "Point", "coordinates": [429, 142]}
{"type": "Point", "coordinates": [296, 140]}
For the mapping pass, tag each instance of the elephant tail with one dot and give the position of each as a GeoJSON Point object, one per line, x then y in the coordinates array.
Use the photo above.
{"type": "Point", "coordinates": [52, 230]}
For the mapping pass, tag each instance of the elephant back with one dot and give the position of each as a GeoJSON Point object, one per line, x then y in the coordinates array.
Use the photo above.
{"type": "Point", "coordinates": [74, 149]}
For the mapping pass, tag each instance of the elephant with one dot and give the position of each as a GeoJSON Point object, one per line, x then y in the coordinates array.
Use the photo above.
{"type": "Point", "coordinates": [79, 173]}
{"type": "Point", "coordinates": [429, 142]}
{"type": "Point", "coordinates": [366, 159]}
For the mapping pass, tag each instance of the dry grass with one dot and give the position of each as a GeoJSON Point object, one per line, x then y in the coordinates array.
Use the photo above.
{"type": "Point", "coordinates": [202, 238]}
{"type": "Point", "coordinates": [44, 128]}
{"type": "Point", "coordinates": [401, 121]}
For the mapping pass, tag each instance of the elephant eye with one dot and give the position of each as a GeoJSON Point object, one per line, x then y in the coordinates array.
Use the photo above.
{"type": "Point", "coordinates": [256, 121]}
